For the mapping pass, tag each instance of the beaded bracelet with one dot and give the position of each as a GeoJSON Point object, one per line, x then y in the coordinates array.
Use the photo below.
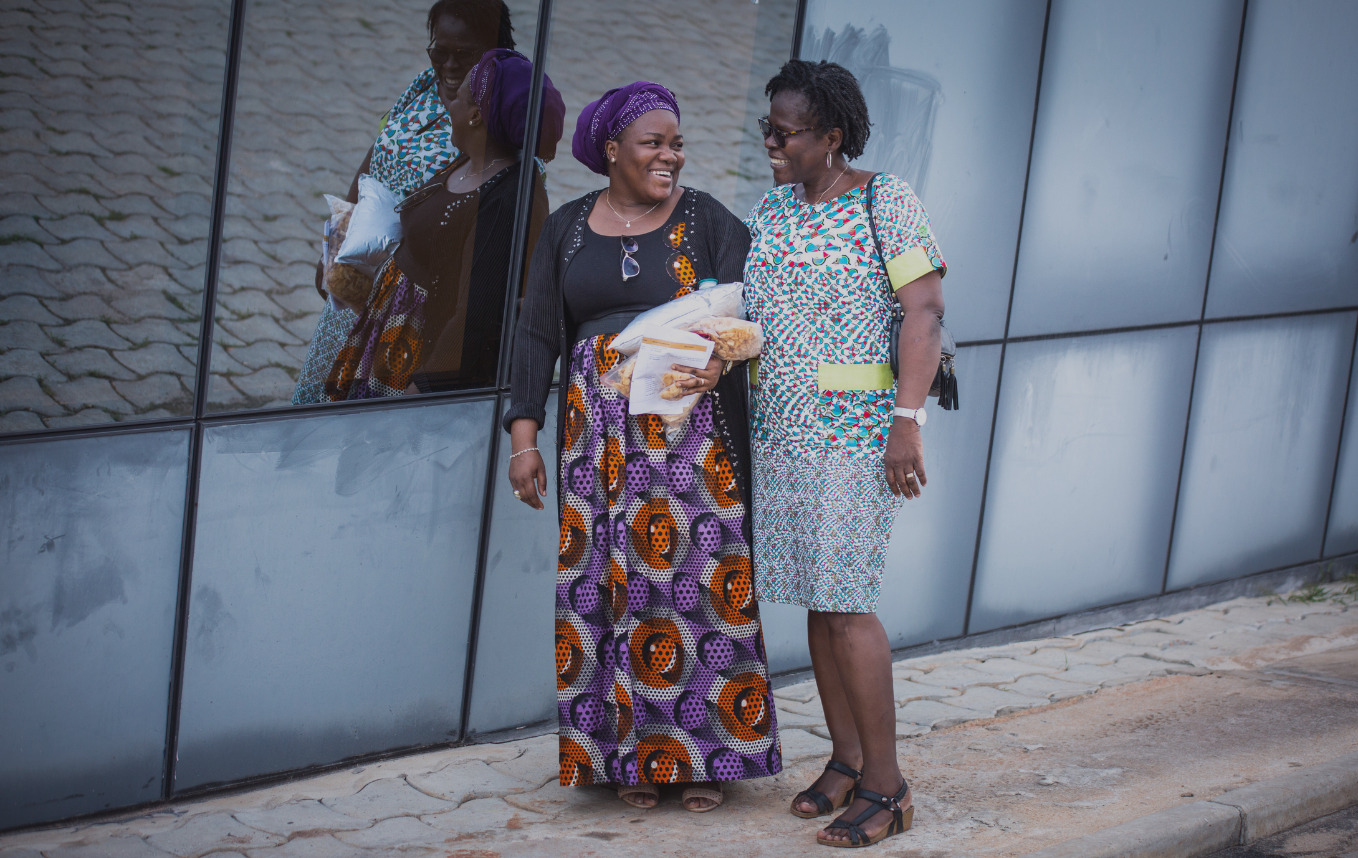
{"type": "Point", "coordinates": [521, 452]}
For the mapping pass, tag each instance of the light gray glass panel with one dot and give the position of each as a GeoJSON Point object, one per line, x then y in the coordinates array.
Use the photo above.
{"type": "Point", "coordinates": [1088, 436]}
{"type": "Point", "coordinates": [514, 682]}
{"type": "Point", "coordinates": [933, 542]}
{"type": "Point", "coordinates": [89, 567]}
{"type": "Point", "coordinates": [108, 147]}
{"type": "Point", "coordinates": [1286, 238]}
{"type": "Point", "coordinates": [332, 580]}
{"type": "Point", "coordinates": [1342, 537]}
{"type": "Point", "coordinates": [950, 88]}
{"type": "Point", "coordinates": [1126, 167]}
{"type": "Point", "coordinates": [784, 637]}
{"type": "Point", "coordinates": [1261, 446]}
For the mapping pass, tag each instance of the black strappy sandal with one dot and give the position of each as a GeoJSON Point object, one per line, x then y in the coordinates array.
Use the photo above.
{"type": "Point", "coordinates": [900, 822]}
{"type": "Point", "coordinates": [822, 801]}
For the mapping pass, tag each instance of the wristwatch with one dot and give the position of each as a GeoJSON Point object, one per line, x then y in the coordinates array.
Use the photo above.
{"type": "Point", "coordinates": [915, 414]}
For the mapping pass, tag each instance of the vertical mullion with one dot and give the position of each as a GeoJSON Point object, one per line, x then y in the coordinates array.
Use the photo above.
{"type": "Point", "coordinates": [1008, 314]}
{"type": "Point", "coordinates": [799, 29]}
{"type": "Point", "coordinates": [1343, 420]}
{"type": "Point", "coordinates": [519, 251]}
{"type": "Point", "coordinates": [1207, 285]}
{"type": "Point", "coordinates": [226, 121]}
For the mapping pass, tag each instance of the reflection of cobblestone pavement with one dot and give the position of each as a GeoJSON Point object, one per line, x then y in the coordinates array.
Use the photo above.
{"type": "Point", "coordinates": [988, 788]}
{"type": "Point", "coordinates": [108, 124]}
{"type": "Point", "coordinates": [107, 144]}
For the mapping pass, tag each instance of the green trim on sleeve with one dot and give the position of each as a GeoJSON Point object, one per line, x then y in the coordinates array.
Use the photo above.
{"type": "Point", "coordinates": [910, 265]}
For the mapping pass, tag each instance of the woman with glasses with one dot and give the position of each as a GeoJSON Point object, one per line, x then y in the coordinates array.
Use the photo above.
{"type": "Point", "coordinates": [661, 672]}
{"type": "Point", "coordinates": [414, 142]}
{"type": "Point", "coordinates": [433, 319]}
{"type": "Point", "coordinates": [836, 440]}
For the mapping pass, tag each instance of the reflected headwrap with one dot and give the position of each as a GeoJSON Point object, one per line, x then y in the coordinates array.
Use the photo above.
{"type": "Point", "coordinates": [604, 120]}
{"type": "Point", "coordinates": [500, 83]}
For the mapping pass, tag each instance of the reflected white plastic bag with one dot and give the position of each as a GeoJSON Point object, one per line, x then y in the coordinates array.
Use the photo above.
{"type": "Point", "coordinates": [374, 227]}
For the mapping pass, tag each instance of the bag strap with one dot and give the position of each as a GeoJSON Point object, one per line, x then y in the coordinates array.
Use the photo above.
{"type": "Point", "coordinates": [872, 227]}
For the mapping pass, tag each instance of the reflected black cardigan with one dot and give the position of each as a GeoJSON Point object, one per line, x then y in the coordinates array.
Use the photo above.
{"type": "Point", "coordinates": [717, 243]}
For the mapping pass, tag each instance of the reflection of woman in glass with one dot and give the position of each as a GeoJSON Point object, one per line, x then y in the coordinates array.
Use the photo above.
{"type": "Point", "coordinates": [831, 456]}
{"type": "Point", "coordinates": [433, 319]}
{"type": "Point", "coordinates": [661, 672]}
{"type": "Point", "coordinates": [412, 145]}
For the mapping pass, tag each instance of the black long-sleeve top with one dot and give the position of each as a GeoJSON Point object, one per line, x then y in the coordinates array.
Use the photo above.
{"type": "Point", "coordinates": [717, 243]}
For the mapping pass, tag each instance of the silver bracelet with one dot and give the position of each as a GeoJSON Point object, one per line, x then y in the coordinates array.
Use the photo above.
{"type": "Point", "coordinates": [524, 450]}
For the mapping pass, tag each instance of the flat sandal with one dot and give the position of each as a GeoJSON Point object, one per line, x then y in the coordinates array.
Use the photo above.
{"type": "Point", "coordinates": [822, 801]}
{"type": "Point", "coordinates": [901, 820]}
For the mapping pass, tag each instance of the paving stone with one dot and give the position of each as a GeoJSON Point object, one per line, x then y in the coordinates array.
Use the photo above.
{"type": "Point", "coordinates": [798, 745]}
{"type": "Point", "coordinates": [788, 718]}
{"type": "Point", "coordinates": [85, 307]}
{"type": "Point", "coordinates": [311, 846]}
{"type": "Point", "coordinates": [73, 226]}
{"type": "Point", "coordinates": [986, 699]}
{"type": "Point", "coordinates": [80, 282]}
{"type": "Point", "coordinates": [91, 361]}
{"type": "Point", "coordinates": [268, 383]}
{"type": "Point", "coordinates": [109, 847]}
{"type": "Point", "coordinates": [25, 225]}
{"type": "Point", "coordinates": [1059, 658]}
{"type": "Point", "coordinates": [248, 302]}
{"type": "Point", "coordinates": [955, 676]}
{"type": "Point", "coordinates": [802, 692]}
{"type": "Point", "coordinates": [1200, 627]}
{"type": "Point", "coordinates": [26, 362]}
{"type": "Point", "coordinates": [936, 713]}
{"type": "Point", "coordinates": [152, 330]}
{"type": "Point", "coordinates": [23, 393]}
{"type": "Point", "coordinates": [90, 392]}
{"type": "Point", "coordinates": [85, 333]}
{"type": "Point", "coordinates": [490, 814]}
{"type": "Point", "coordinates": [26, 335]}
{"type": "Point", "coordinates": [87, 417]}
{"type": "Point", "coordinates": [1141, 666]}
{"type": "Point", "coordinates": [295, 816]}
{"type": "Point", "coordinates": [904, 690]}
{"type": "Point", "coordinates": [157, 357]}
{"type": "Point", "coordinates": [32, 255]}
{"type": "Point", "coordinates": [394, 836]}
{"type": "Point", "coordinates": [149, 303]}
{"type": "Point", "coordinates": [222, 396]}
{"type": "Point", "coordinates": [910, 731]}
{"type": "Point", "coordinates": [18, 421]}
{"type": "Point", "coordinates": [387, 798]}
{"type": "Point", "coordinates": [253, 329]}
{"type": "Point", "coordinates": [156, 390]}
{"type": "Point", "coordinates": [1102, 675]}
{"type": "Point", "coordinates": [84, 251]}
{"type": "Point", "coordinates": [466, 780]}
{"type": "Point", "coordinates": [1008, 669]}
{"type": "Point", "coordinates": [539, 764]}
{"type": "Point", "coordinates": [302, 301]}
{"type": "Point", "coordinates": [198, 833]}
{"type": "Point", "coordinates": [1040, 685]}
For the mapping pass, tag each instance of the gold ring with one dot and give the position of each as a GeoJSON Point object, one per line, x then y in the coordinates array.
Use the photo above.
{"type": "Point", "coordinates": [518, 494]}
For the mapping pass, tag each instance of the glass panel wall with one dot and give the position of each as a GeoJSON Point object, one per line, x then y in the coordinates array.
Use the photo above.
{"type": "Point", "coordinates": [1288, 233]}
{"type": "Point", "coordinates": [329, 613]}
{"type": "Point", "coordinates": [89, 568]}
{"type": "Point", "coordinates": [1342, 535]}
{"type": "Point", "coordinates": [1078, 510]}
{"type": "Point", "coordinates": [1126, 164]}
{"type": "Point", "coordinates": [950, 88]}
{"type": "Point", "coordinates": [108, 146]}
{"type": "Point", "coordinates": [1262, 443]}
{"type": "Point", "coordinates": [309, 119]}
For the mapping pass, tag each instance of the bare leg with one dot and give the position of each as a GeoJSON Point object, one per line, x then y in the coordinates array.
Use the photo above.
{"type": "Point", "coordinates": [838, 716]}
{"type": "Point", "coordinates": [862, 659]}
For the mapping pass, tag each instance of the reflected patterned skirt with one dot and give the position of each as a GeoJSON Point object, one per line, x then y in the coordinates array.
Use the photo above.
{"type": "Point", "coordinates": [661, 670]}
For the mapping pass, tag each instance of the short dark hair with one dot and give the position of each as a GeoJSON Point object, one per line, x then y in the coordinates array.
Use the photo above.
{"type": "Point", "coordinates": [481, 16]}
{"type": "Point", "coordinates": [834, 96]}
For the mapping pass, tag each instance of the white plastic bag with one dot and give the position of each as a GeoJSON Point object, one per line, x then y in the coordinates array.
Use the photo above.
{"type": "Point", "coordinates": [733, 339]}
{"type": "Point", "coordinates": [683, 314]}
{"type": "Point", "coordinates": [374, 227]}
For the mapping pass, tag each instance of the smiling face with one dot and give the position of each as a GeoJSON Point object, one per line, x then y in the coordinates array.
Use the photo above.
{"type": "Point", "coordinates": [647, 157]}
{"type": "Point", "coordinates": [454, 49]}
{"type": "Point", "coordinates": [801, 157]}
{"type": "Point", "coordinates": [462, 110]}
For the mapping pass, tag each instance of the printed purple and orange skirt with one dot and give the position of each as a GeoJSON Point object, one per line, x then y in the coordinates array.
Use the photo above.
{"type": "Point", "coordinates": [661, 670]}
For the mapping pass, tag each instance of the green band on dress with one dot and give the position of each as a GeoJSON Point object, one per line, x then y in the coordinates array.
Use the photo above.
{"type": "Point", "coordinates": [854, 376]}
{"type": "Point", "coordinates": [910, 265]}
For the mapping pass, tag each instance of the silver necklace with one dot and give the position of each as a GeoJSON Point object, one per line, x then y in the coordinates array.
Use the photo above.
{"type": "Point", "coordinates": [821, 198]}
{"type": "Point", "coordinates": [480, 173]}
{"type": "Point", "coordinates": [627, 224]}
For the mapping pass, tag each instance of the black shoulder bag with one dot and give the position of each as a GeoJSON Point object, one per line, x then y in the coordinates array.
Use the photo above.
{"type": "Point", "coordinates": [945, 380]}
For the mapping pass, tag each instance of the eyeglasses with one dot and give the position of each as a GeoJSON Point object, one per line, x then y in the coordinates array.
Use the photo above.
{"type": "Point", "coordinates": [779, 135]}
{"type": "Point", "coordinates": [465, 57]}
{"type": "Point", "coordinates": [630, 267]}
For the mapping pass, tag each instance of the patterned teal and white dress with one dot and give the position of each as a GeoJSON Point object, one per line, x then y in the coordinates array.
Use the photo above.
{"type": "Point", "coordinates": [824, 392]}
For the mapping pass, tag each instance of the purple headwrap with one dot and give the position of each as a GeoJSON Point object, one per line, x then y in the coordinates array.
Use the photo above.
{"type": "Point", "coordinates": [500, 84]}
{"type": "Point", "coordinates": [604, 120]}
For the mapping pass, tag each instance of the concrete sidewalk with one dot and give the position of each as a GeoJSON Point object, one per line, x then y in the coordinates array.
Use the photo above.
{"type": "Point", "coordinates": [1108, 735]}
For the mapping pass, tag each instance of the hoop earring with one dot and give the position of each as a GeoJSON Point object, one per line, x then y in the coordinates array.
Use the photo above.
{"type": "Point", "coordinates": [828, 156]}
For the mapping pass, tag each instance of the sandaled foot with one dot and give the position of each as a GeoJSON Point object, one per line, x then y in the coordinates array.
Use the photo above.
{"type": "Point", "coordinates": [872, 818]}
{"type": "Point", "coordinates": [642, 796]}
{"type": "Point", "coordinates": [702, 797]}
{"type": "Point", "coordinates": [825, 795]}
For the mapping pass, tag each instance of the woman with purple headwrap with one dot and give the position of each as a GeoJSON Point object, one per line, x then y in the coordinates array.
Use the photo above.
{"type": "Point", "coordinates": [661, 672]}
{"type": "Point", "coordinates": [433, 319]}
